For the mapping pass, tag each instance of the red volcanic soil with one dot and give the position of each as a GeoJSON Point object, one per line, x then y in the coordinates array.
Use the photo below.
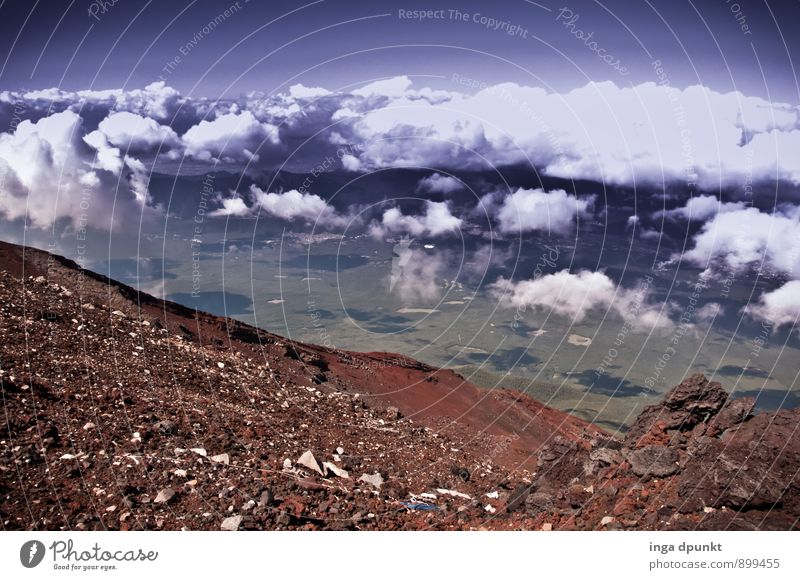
{"type": "Point", "coordinates": [123, 411]}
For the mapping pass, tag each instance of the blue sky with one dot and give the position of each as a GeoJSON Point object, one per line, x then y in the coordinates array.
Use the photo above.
{"type": "Point", "coordinates": [129, 44]}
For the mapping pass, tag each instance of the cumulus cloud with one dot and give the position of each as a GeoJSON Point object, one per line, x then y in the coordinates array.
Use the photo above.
{"type": "Point", "coordinates": [528, 210]}
{"type": "Point", "coordinates": [135, 133]}
{"type": "Point", "coordinates": [438, 183]}
{"type": "Point", "coordinates": [230, 138]}
{"type": "Point", "coordinates": [574, 295]}
{"type": "Point", "coordinates": [293, 205]}
{"type": "Point", "coordinates": [701, 208]}
{"type": "Point", "coordinates": [232, 207]}
{"type": "Point", "coordinates": [602, 132]}
{"type": "Point", "coordinates": [781, 307]}
{"type": "Point", "coordinates": [436, 221]}
{"type": "Point", "coordinates": [51, 171]}
{"type": "Point", "coordinates": [746, 238]}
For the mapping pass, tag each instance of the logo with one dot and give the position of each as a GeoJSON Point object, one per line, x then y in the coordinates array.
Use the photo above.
{"type": "Point", "coordinates": [31, 553]}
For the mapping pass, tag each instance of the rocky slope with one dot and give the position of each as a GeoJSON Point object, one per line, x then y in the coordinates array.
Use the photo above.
{"type": "Point", "coordinates": [122, 411]}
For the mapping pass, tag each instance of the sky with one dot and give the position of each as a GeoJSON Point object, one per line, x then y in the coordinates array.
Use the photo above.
{"type": "Point", "coordinates": [691, 104]}
{"type": "Point", "coordinates": [264, 46]}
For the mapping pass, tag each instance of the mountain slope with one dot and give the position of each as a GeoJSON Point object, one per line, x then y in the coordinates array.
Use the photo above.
{"type": "Point", "coordinates": [122, 411]}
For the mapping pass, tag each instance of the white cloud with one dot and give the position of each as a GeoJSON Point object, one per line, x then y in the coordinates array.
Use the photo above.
{"type": "Point", "coordinates": [350, 163]}
{"type": "Point", "coordinates": [747, 238]}
{"type": "Point", "coordinates": [50, 171]}
{"type": "Point", "coordinates": [709, 312]}
{"type": "Point", "coordinates": [534, 210]}
{"type": "Point", "coordinates": [414, 275]}
{"type": "Point", "coordinates": [436, 221]}
{"type": "Point", "coordinates": [602, 132]}
{"type": "Point", "coordinates": [438, 183]}
{"type": "Point", "coordinates": [393, 87]}
{"type": "Point", "coordinates": [293, 205]}
{"type": "Point", "coordinates": [575, 295]}
{"type": "Point", "coordinates": [701, 208]}
{"type": "Point", "coordinates": [232, 207]}
{"type": "Point", "coordinates": [780, 307]}
{"type": "Point", "coordinates": [300, 91]}
{"type": "Point", "coordinates": [134, 133]}
{"type": "Point", "coordinates": [230, 138]}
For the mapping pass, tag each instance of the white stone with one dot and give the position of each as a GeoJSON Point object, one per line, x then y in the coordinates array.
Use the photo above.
{"type": "Point", "coordinates": [223, 458]}
{"type": "Point", "coordinates": [231, 524]}
{"type": "Point", "coordinates": [308, 460]}
{"type": "Point", "coordinates": [334, 469]}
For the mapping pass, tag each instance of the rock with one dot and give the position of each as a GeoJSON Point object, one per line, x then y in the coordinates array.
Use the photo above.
{"type": "Point", "coordinates": [606, 456]}
{"type": "Point", "coordinates": [393, 413]}
{"type": "Point", "coordinates": [733, 413]}
{"type": "Point", "coordinates": [654, 461]}
{"type": "Point", "coordinates": [340, 450]}
{"type": "Point", "coordinates": [267, 498]}
{"type": "Point", "coordinates": [166, 427]}
{"type": "Point", "coordinates": [308, 461]}
{"type": "Point", "coordinates": [231, 524]}
{"type": "Point", "coordinates": [751, 467]}
{"type": "Point", "coordinates": [517, 498]}
{"type": "Point", "coordinates": [538, 502]}
{"type": "Point", "coordinates": [165, 495]}
{"type": "Point", "coordinates": [607, 520]}
{"type": "Point", "coordinates": [375, 479]}
{"type": "Point", "coordinates": [180, 472]}
{"type": "Point", "coordinates": [335, 470]}
{"type": "Point", "coordinates": [461, 472]}
{"type": "Point", "coordinates": [223, 458]}
{"type": "Point", "coordinates": [88, 426]}
{"type": "Point", "coordinates": [200, 451]}
{"type": "Point", "coordinates": [692, 402]}
{"type": "Point", "coordinates": [287, 463]}
{"type": "Point", "coordinates": [547, 527]}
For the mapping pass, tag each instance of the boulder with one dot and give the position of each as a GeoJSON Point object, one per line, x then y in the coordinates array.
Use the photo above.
{"type": "Point", "coordinates": [696, 400]}
{"type": "Point", "coordinates": [654, 461]}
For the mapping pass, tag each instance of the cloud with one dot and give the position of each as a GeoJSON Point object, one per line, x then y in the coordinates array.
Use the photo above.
{"type": "Point", "coordinates": [438, 183]}
{"type": "Point", "coordinates": [709, 312]}
{"type": "Point", "coordinates": [701, 208]}
{"type": "Point", "coordinates": [647, 133]}
{"type": "Point", "coordinates": [135, 133]}
{"type": "Point", "coordinates": [293, 205]}
{"type": "Point", "coordinates": [230, 138]}
{"type": "Point", "coordinates": [300, 91]}
{"type": "Point", "coordinates": [414, 275]}
{"type": "Point", "coordinates": [393, 87]}
{"type": "Point", "coordinates": [575, 295]}
{"type": "Point", "coordinates": [436, 221]}
{"type": "Point", "coordinates": [50, 171]}
{"type": "Point", "coordinates": [778, 308]}
{"type": "Point", "coordinates": [528, 210]}
{"type": "Point", "coordinates": [747, 238]}
{"type": "Point", "coordinates": [232, 207]}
